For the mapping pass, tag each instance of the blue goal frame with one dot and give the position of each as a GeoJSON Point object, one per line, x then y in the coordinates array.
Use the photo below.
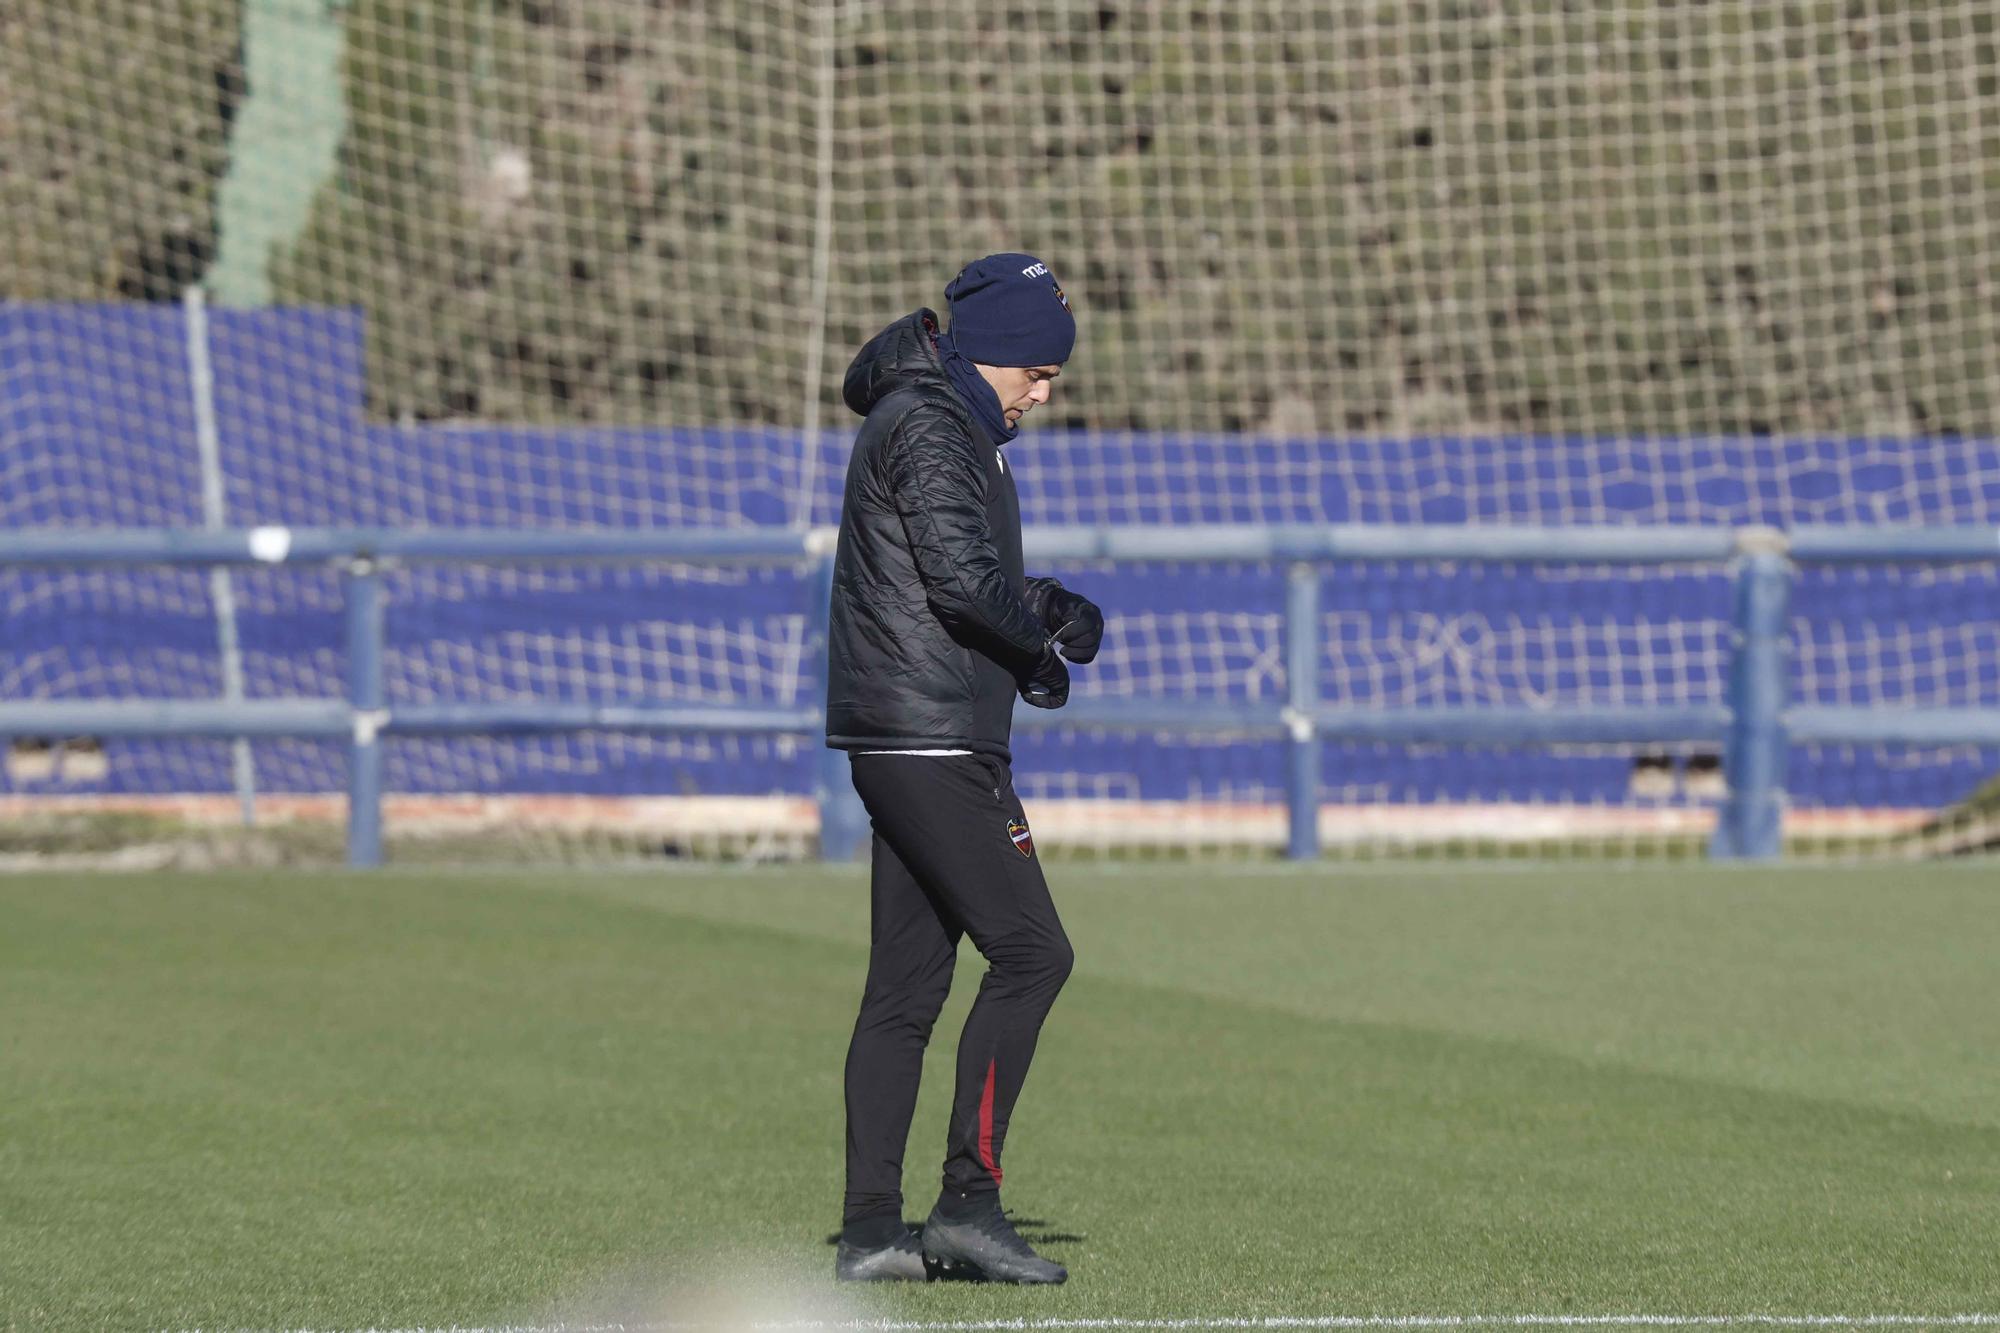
{"type": "Point", "coordinates": [1754, 729]}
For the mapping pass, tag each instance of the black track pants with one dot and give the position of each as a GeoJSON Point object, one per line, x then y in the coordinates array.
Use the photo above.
{"type": "Point", "coordinates": [953, 857]}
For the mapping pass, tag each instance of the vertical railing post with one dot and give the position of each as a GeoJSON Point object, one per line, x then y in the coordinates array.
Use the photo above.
{"type": "Point", "coordinates": [1302, 697]}
{"type": "Point", "coordinates": [214, 514]}
{"type": "Point", "coordinates": [843, 822]}
{"type": "Point", "coordinates": [364, 692]}
{"type": "Point", "coordinates": [1750, 824]}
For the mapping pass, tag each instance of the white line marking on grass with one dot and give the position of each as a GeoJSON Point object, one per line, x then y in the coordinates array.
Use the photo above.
{"type": "Point", "coordinates": [1227, 1322]}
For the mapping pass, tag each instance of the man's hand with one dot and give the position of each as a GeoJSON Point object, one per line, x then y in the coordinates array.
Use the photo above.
{"type": "Point", "coordinates": [1075, 623]}
{"type": "Point", "coordinates": [1047, 683]}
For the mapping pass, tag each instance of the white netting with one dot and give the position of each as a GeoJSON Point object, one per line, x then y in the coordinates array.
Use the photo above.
{"type": "Point", "coordinates": [1396, 636]}
{"type": "Point", "coordinates": [603, 262]}
{"type": "Point", "coordinates": [1574, 224]}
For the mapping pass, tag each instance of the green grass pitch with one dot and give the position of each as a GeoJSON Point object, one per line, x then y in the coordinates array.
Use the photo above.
{"type": "Point", "coordinates": [318, 1101]}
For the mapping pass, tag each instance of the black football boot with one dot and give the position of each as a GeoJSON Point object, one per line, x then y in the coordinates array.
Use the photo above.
{"type": "Point", "coordinates": [900, 1260]}
{"type": "Point", "coordinates": [983, 1247]}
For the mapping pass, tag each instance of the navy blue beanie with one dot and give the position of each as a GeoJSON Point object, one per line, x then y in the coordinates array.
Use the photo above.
{"type": "Point", "coordinates": [1006, 310]}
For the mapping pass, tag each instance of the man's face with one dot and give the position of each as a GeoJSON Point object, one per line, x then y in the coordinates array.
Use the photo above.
{"type": "Point", "coordinates": [1019, 388]}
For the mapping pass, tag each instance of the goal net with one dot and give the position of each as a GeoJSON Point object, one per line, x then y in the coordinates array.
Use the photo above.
{"type": "Point", "coordinates": [547, 262]}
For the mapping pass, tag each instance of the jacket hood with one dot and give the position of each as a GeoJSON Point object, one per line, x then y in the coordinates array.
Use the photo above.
{"type": "Point", "coordinates": [901, 356]}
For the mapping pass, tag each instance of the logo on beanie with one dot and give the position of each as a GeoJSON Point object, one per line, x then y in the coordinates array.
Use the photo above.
{"type": "Point", "coordinates": [1060, 296]}
{"type": "Point", "coordinates": [1024, 842]}
{"type": "Point", "coordinates": [1035, 270]}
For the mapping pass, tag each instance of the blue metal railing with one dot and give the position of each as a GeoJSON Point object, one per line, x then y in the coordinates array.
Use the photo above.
{"type": "Point", "coordinates": [1756, 726]}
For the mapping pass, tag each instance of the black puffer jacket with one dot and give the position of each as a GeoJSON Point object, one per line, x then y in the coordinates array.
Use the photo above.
{"type": "Point", "coordinates": [932, 618]}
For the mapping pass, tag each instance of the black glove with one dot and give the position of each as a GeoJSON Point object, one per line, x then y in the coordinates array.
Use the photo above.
{"type": "Point", "coordinates": [1046, 684]}
{"type": "Point", "coordinates": [1075, 621]}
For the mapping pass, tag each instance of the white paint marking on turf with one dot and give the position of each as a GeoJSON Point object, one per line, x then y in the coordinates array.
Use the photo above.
{"type": "Point", "coordinates": [1385, 1321]}
{"type": "Point", "coordinates": [1269, 1322]}
{"type": "Point", "coordinates": [1411, 1321]}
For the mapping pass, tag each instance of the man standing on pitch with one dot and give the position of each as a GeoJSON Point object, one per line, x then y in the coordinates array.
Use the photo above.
{"type": "Point", "coordinates": [934, 630]}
